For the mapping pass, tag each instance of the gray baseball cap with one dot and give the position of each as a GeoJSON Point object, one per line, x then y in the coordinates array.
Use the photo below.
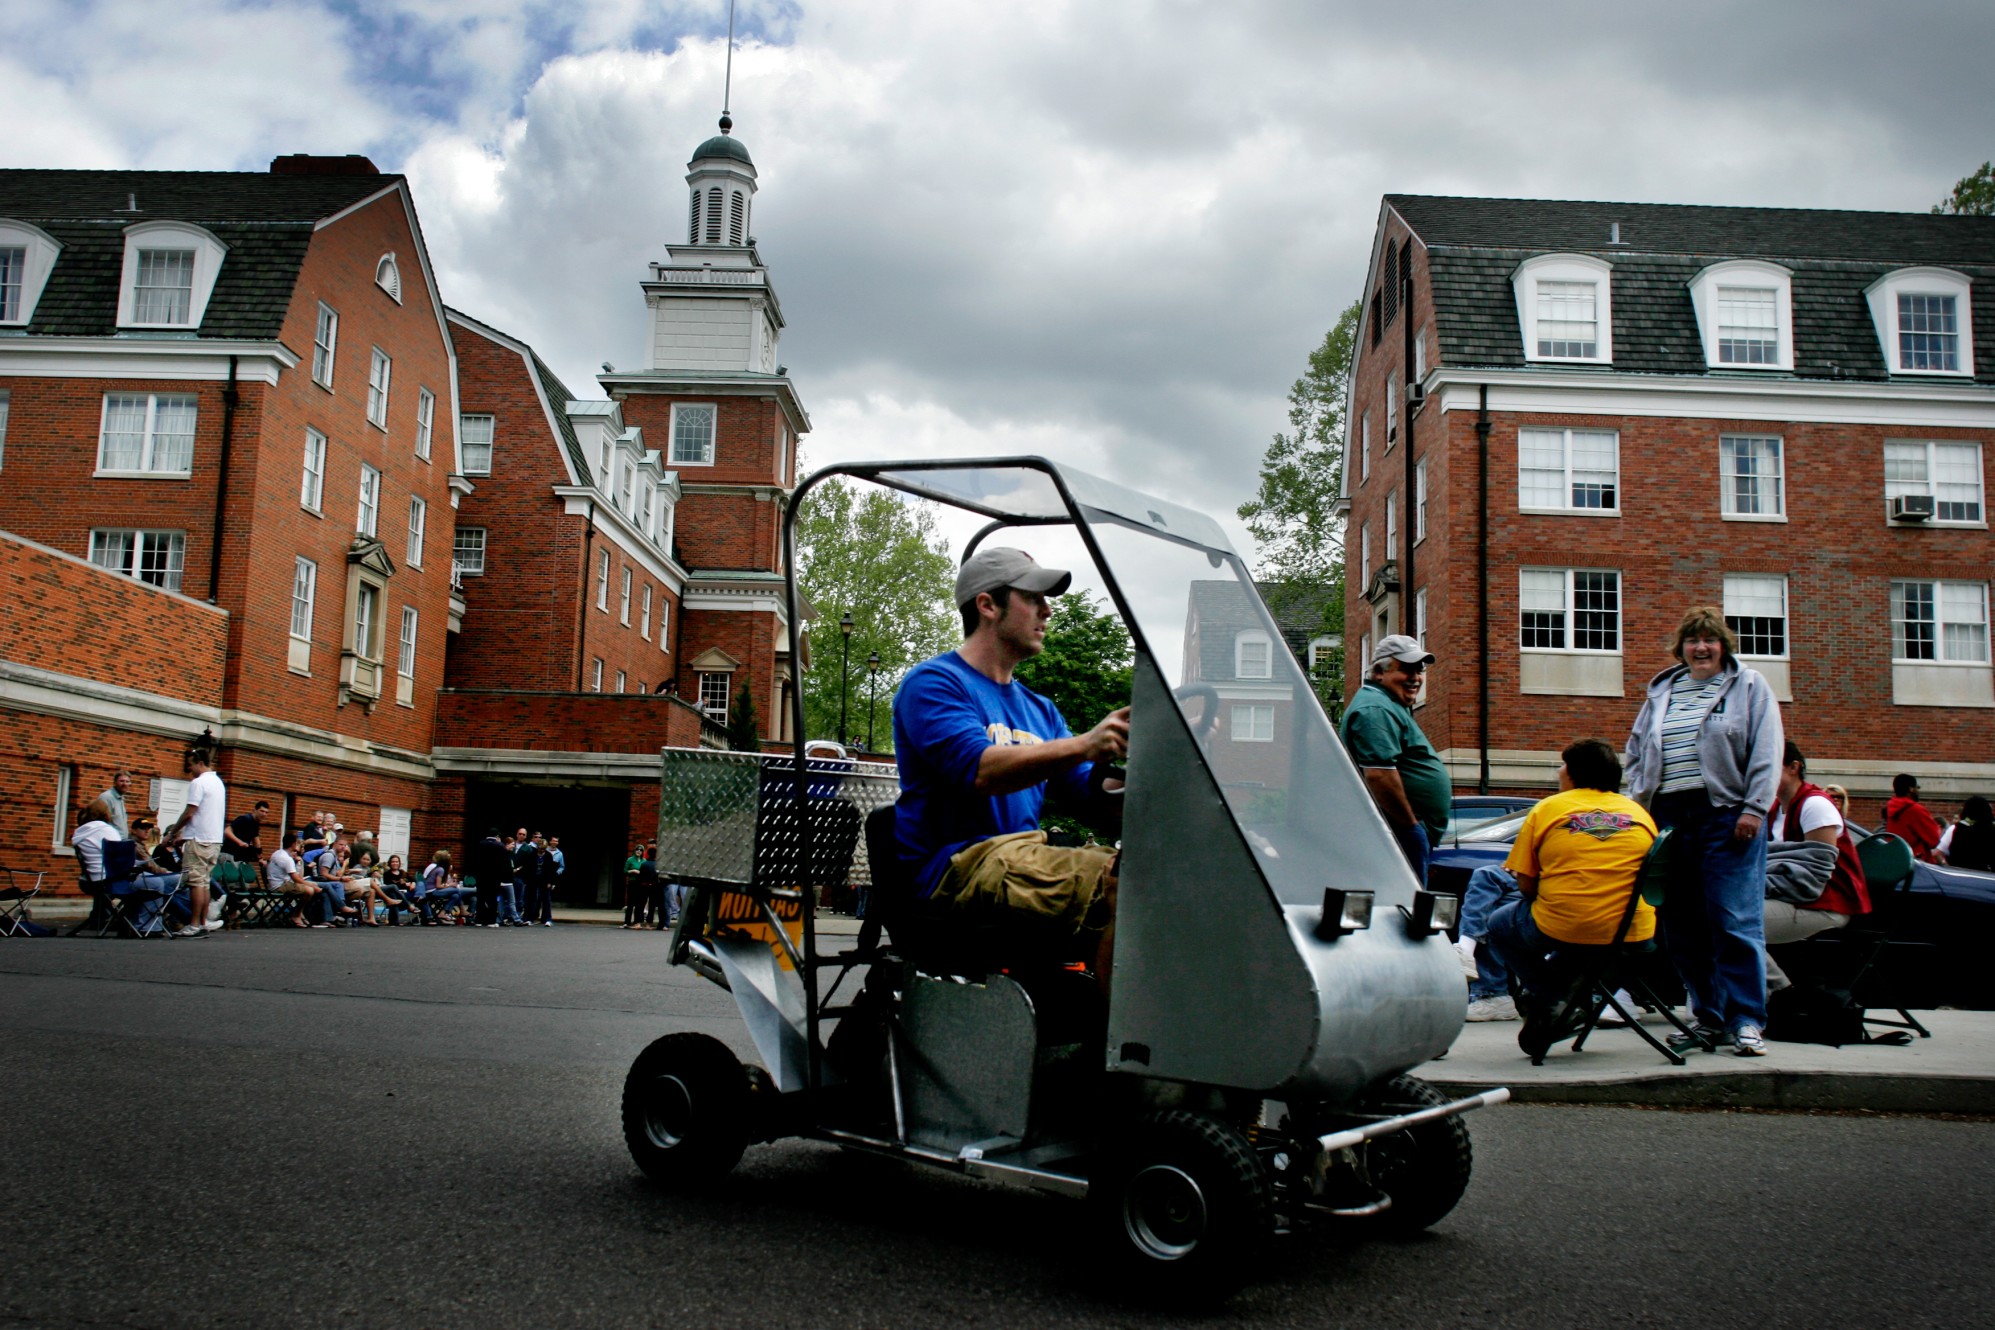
{"type": "Point", "coordinates": [1002, 567]}
{"type": "Point", "coordinates": [1403, 649]}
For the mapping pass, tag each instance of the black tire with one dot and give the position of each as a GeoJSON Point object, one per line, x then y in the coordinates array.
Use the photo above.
{"type": "Point", "coordinates": [1181, 1208]}
{"type": "Point", "coordinates": [1424, 1169]}
{"type": "Point", "coordinates": [685, 1110]}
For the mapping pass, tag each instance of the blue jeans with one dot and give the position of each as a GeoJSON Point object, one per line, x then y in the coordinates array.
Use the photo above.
{"type": "Point", "coordinates": [1489, 888]}
{"type": "Point", "coordinates": [146, 919]}
{"type": "Point", "coordinates": [509, 911]}
{"type": "Point", "coordinates": [1521, 948]}
{"type": "Point", "coordinates": [1714, 913]}
{"type": "Point", "coordinates": [1414, 845]}
{"type": "Point", "coordinates": [675, 900]}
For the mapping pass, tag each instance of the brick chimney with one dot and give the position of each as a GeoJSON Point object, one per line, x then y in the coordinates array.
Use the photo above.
{"type": "Point", "coordinates": [304, 163]}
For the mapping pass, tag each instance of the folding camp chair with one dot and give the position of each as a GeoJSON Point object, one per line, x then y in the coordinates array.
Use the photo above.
{"type": "Point", "coordinates": [1597, 972]}
{"type": "Point", "coordinates": [14, 900]}
{"type": "Point", "coordinates": [126, 907]}
{"type": "Point", "coordinates": [1847, 960]}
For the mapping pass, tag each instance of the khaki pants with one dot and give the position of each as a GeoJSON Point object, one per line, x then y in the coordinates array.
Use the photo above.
{"type": "Point", "coordinates": [1788, 922]}
{"type": "Point", "coordinates": [1045, 901]}
{"type": "Point", "coordinates": [197, 862]}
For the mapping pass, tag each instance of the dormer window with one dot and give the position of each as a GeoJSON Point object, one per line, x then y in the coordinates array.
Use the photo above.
{"type": "Point", "coordinates": [169, 273]}
{"type": "Point", "coordinates": [27, 255]}
{"type": "Point", "coordinates": [388, 276]}
{"type": "Point", "coordinates": [1565, 309]}
{"type": "Point", "coordinates": [1923, 320]}
{"type": "Point", "coordinates": [1253, 656]}
{"type": "Point", "coordinates": [1745, 315]}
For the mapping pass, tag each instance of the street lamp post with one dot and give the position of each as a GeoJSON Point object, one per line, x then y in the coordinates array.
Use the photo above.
{"type": "Point", "coordinates": [872, 695]}
{"type": "Point", "coordinates": [844, 672]}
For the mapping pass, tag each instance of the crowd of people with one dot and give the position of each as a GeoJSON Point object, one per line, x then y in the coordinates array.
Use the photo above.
{"type": "Point", "coordinates": [1760, 856]}
{"type": "Point", "coordinates": [333, 879]}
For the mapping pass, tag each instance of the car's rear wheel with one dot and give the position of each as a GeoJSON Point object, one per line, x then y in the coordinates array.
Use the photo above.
{"type": "Point", "coordinates": [685, 1110]}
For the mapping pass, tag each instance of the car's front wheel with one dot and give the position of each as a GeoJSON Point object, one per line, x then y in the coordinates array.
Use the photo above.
{"type": "Point", "coordinates": [685, 1110]}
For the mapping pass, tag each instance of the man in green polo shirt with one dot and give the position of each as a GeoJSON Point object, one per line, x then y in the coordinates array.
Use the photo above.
{"type": "Point", "coordinates": [1401, 769]}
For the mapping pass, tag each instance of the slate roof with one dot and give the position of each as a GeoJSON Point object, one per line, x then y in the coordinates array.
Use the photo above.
{"type": "Point", "coordinates": [558, 397]}
{"type": "Point", "coordinates": [265, 220]}
{"type": "Point", "coordinates": [1474, 246]}
{"type": "Point", "coordinates": [1300, 610]}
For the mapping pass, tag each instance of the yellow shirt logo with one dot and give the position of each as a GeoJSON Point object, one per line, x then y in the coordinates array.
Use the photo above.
{"type": "Point", "coordinates": [1000, 733]}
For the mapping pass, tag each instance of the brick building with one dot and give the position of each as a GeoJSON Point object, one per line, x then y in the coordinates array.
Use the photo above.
{"type": "Point", "coordinates": [257, 483]}
{"type": "Point", "coordinates": [1572, 421]}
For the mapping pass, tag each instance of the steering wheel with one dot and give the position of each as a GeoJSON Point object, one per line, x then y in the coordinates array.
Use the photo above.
{"type": "Point", "coordinates": [1208, 716]}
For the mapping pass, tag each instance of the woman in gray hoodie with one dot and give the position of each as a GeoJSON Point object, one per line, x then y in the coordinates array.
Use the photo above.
{"type": "Point", "coordinates": [1705, 757]}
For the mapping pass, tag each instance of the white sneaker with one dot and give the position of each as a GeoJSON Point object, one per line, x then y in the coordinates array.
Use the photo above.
{"type": "Point", "coordinates": [1493, 1009]}
{"type": "Point", "coordinates": [1465, 953]}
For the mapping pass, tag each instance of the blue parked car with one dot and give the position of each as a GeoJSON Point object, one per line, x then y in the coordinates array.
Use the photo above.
{"type": "Point", "coordinates": [1950, 909]}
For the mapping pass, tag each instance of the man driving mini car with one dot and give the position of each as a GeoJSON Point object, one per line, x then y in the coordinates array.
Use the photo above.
{"type": "Point", "coordinates": [977, 750]}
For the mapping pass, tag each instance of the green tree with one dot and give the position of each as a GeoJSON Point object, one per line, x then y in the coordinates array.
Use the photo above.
{"type": "Point", "coordinates": [1086, 667]}
{"type": "Point", "coordinates": [744, 727]}
{"type": "Point", "coordinates": [873, 553]}
{"type": "Point", "coordinates": [1293, 515]}
{"type": "Point", "coordinates": [1973, 195]}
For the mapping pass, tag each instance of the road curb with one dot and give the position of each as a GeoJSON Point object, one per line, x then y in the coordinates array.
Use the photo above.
{"type": "Point", "coordinates": [1793, 1090]}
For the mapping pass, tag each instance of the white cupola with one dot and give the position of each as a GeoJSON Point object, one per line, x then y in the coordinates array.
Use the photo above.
{"type": "Point", "coordinates": [721, 178]}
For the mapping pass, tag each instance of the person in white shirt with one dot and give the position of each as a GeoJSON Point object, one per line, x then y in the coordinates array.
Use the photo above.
{"type": "Point", "coordinates": [90, 837]}
{"type": "Point", "coordinates": [200, 831]}
{"type": "Point", "coordinates": [284, 875]}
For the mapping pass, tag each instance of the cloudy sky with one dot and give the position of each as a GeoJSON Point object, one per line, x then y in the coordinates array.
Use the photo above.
{"type": "Point", "coordinates": [1108, 231]}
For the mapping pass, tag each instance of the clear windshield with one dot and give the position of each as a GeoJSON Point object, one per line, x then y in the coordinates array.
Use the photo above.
{"type": "Point", "coordinates": [996, 491]}
{"type": "Point", "coordinates": [1271, 749]}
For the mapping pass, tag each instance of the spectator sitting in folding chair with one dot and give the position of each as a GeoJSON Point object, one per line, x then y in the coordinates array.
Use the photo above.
{"type": "Point", "coordinates": [90, 838]}
{"type": "Point", "coordinates": [1576, 859]}
{"type": "Point", "coordinates": [440, 889]}
{"type": "Point", "coordinates": [284, 875]}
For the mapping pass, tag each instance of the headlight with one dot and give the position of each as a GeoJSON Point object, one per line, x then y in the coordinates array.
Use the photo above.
{"type": "Point", "coordinates": [1344, 912]}
{"type": "Point", "coordinates": [1433, 912]}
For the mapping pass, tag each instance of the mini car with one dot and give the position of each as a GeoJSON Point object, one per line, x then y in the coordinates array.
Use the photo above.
{"type": "Point", "coordinates": [1276, 969]}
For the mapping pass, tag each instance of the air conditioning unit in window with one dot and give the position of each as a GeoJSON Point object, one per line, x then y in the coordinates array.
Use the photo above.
{"type": "Point", "coordinates": [1912, 508]}
{"type": "Point", "coordinates": [1415, 395]}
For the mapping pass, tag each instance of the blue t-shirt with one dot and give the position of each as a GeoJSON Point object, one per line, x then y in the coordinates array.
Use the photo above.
{"type": "Point", "coordinates": [945, 715]}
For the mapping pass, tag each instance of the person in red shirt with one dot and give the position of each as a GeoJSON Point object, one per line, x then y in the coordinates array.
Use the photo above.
{"type": "Point", "coordinates": [1806, 812]}
{"type": "Point", "coordinates": [1906, 818]}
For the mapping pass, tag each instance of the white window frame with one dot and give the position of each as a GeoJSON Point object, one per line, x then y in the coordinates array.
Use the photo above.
{"type": "Point", "coordinates": [1420, 501]}
{"type": "Point", "coordinates": [312, 480]}
{"type": "Point", "coordinates": [1928, 486]}
{"type": "Point", "coordinates": [1568, 509]}
{"type": "Point", "coordinates": [464, 541]}
{"type": "Point", "coordinates": [1365, 447]}
{"type": "Point", "coordinates": [1391, 523]}
{"type": "Point", "coordinates": [39, 251]}
{"type": "Point", "coordinates": [469, 428]}
{"type": "Point", "coordinates": [405, 653]}
{"type": "Point", "coordinates": [596, 674]}
{"type": "Point", "coordinates": [1941, 621]}
{"type": "Point", "coordinates": [664, 622]}
{"type": "Point", "coordinates": [1420, 620]}
{"type": "Point", "coordinates": [1882, 296]}
{"type": "Point", "coordinates": [380, 380]}
{"type": "Point", "coordinates": [603, 579]}
{"type": "Point", "coordinates": [1244, 643]}
{"type": "Point", "coordinates": [1391, 408]}
{"type": "Point", "coordinates": [1364, 555]}
{"type": "Point", "coordinates": [672, 455]}
{"type": "Point", "coordinates": [1570, 627]}
{"type": "Point", "coordinates": [644, 614]}
{"type": "Point", "coordinates": [6, 403]}
{"type": "Point", "coordinates": [1736, 589]}
{"type": "Point", "coordinates": [65, 790]}
{"type": "Point", "coordinates": [623, 681]}
{"type": "Point", "coordinates": [627, 501]}
{"type": "Point", "coordinates": [726, 679]}
{"type": "Point", "coordinates": [148, 237]}
{"type": "Point", "coordinates": [149, 440]}
{"type": "Point", "coordinates": [134, 540]}
{"type": "Point", "coordinates": [367, 516]}
{"type": "Point", "coordinates": [623, 599]}
{"type": "Point", "coordinates": [418, 528]}
{"type": "Point", "coordinates": [325, 345]}
{"type": "Point", "coordinates": [1728, 476]}
{"type": "Point", "coordinates": [304, 597]}
{"type": "Point", "coordinates": [1251, 723]}
{"type": "Point", "coordinates": [1747, 274]}
{"type": "Point", "coordinates": [1565, 268]}
{"type": "Point", "coordinates": [425, 422]}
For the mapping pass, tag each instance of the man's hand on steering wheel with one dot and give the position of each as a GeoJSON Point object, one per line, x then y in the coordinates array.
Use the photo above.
{"type": "Point", "coordinates": [1109, 741]}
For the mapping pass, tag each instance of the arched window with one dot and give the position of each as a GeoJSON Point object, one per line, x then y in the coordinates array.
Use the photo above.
{"type": "Point", "coordinates": [713, 215]}
{"type": "Point", "coordinates": [736, 209]}
{"type": "Point", "coordinates": [1253, 655]}
{"type": "Point", "coordinates": [388, 276]}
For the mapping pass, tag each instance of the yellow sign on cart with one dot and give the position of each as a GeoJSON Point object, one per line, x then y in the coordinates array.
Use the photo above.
{"type": "Point", "coordinates": [744, 914]}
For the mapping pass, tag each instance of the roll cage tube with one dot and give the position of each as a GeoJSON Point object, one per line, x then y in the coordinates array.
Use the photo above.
{"type": "Point", "coordinates": [898, 476]}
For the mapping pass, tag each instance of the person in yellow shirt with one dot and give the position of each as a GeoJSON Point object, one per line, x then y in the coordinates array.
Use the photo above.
{"type": "Point", "coordinates": [1576, 859]}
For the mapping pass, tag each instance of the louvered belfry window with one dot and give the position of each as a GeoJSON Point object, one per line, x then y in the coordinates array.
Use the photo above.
{"type": "Point", "coordinates": [693, 221]}
{"type": "Point", "coordinates": [713, 215]}
{"type": "Point", "coordinates": [736, 216]}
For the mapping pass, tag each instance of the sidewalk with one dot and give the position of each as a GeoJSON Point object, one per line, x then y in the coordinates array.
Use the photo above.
{"type": "Point", "coordinates": [1952, 1072]}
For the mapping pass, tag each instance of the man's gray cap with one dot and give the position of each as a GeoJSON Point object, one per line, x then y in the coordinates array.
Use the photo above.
{"type": "Point", "coordinates": [1403, 649]}
{"type": "Point", "coordinates": [1002, 567]}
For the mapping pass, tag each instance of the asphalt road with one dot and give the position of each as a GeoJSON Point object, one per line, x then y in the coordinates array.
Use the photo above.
{"type": "Point", "coordinates": [418, 1127]}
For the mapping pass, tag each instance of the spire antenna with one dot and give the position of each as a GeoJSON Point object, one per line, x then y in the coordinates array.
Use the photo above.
{"type": "Point", "coordinates": [727, 84]}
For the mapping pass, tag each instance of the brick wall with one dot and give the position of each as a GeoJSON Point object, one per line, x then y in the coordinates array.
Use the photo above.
{"type": "Point", "coordinates": [565, 722]}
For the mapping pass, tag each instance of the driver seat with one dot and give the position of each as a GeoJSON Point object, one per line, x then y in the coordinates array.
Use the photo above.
{"type": "Point", "coordinates": [915, 931]}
